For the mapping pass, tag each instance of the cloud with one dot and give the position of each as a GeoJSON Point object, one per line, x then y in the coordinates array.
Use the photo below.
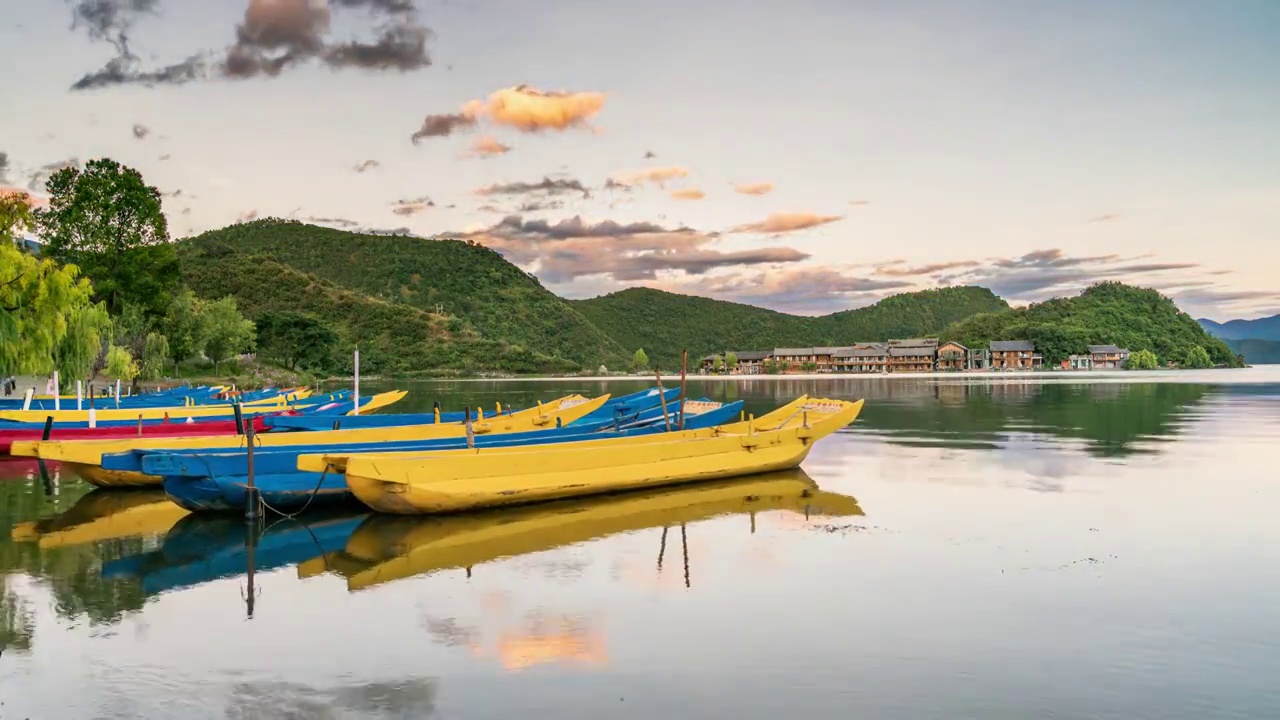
{"type": "Point", "coordinates": [4, 167]}
{"type": "Point", "coordinates": [859, 202]}
{"type": "Point", "coordinates": [803, 290]}
{"type": "Point", "coordinates": [649, 155]}
{"type": "Point", "coordinates": [367, 165]}
{"type": "Point", "coordinates": [140, 131]}
{"type": "Point", "coordinates": [164, 157]}
{"type": "Point", "coordinates": [1051, 272]}
{"type": "Point", "coordinates": [41, 176]}
{"type": "Point", "coordinates": [760, 188]}
{"type": "Point", "coordinates": [521, 107]}
{"type": "Point", "coordinates": [572, 248]}
{"type": "Point", "coordinates": [342, 223]}
{"type": "Point", "coordinates": [547, 185]}
{"type": "Point", "coordinates": [890, 270]}
{"type": "Point", "coordinates": [487, 146]}
{"type": "Point", "coordinates": [1104, 218]}
{"type": "Point", "coordinates": [444, 125]}
{"type": "Point", "coordinates": [658, 176]}
{"type": "Point", "coordinates": [539, 205]}
{"type": "Point", "coordinates": [688, 194]}
{"type": "Point", "coordinates": [272, 36]}
{"type": "Point", "coordinates": [412, 207]}
{"type": "Point", "coordinates": [249, 216]}
{"type": "Point", "coordinates": [787, 222]}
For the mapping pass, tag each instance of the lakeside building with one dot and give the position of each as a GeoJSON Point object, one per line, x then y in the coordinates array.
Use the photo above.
{"type": "Point", "coordinates": [952, 357]}
{"type": "Point", "coordinates": [864, 358]}
{"type": "Point", "coordinates": [1108, 357]}
{"type": "Point", "coordinates": [1015, 355]}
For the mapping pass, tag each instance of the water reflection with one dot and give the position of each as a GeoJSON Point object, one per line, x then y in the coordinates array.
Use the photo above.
{"type": "Point", "coordinates": [387, 547]}
{"type": "Point", "coordinates": [414, 698]}
{"type": "Point", "coordinates": [103, 515]}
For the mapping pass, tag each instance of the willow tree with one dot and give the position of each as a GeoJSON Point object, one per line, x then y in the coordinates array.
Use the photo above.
{"type": "Point", "coordinates": [47, 318]}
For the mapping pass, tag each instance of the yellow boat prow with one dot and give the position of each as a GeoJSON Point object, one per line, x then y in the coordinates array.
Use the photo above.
{"type": "Point", "coordinates": [103, 515]}
{"type": "Point", "coordinates": [84, 457]}
{"type": "Point", "coordinates": [460, 480]}
{"type": "Point", "coordinates": [386, 548]}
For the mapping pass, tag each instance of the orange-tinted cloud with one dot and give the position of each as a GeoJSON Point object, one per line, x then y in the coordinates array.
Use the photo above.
{"type": "Point", "coordinates": [487, 146]}
{"type": "Point", "coordinates": [688, 194]}
{"type": "Point", "coordinates": [657, 175]}
{"type": "Point", "coordinates": [929, 269]}
{"type": "Point", "coordinates": [760, 188]}
{"type": "Point", "coordinates": [521, 107]}
{"type": "Point", "coordinates": [787, 222]}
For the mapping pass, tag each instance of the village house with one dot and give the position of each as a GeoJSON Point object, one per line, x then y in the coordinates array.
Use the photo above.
{"type": "Point", "coordinates": [952, 357]}
{"type": "Point", "coordinates": [824, 357]}
{"type": "Point", "coordinates": [864, 358]}
{"type": "Point", "coordinates": [979, 358]}
{"type": "Point", "coordinates": [750, 361]}
{"type": "Point", "coordinates": [1014, 355]}
{"type": "Point", "coordinates": [1108, 357]}
{"type": "Point", "coordinates": [917, 355]}
{"type": "Point", "coordinates": [1079, 362]}
{"type": "Point", "coordinates": [791, 359]}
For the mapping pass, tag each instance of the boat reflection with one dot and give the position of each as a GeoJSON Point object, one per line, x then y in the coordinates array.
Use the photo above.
{"type": "Point", "coordinates": [103, 515]}
{"type": "Point", "coordinates": [386, 548]}
{"type": "Point", "coordinates": [202, 548]}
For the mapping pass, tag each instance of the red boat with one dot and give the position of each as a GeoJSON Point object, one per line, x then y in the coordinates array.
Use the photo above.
{"type": "Point", "coordinates": [166, 429]}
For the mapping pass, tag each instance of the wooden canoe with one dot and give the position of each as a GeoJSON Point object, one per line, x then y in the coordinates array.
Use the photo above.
{"type": "Point", "coordinates": [453, 481]}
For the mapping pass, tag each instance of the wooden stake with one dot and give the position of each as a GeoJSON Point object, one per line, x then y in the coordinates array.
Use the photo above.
{"type": "Point", "coordinates": [684, 369]}
{"type": "Point", "coordinates": [662, 397]}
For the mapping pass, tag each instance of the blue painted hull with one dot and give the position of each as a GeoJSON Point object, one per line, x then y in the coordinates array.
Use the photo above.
{"type": "Point", "coordinates": [207, 482]}
{"type": "Point", "coordinates": [307, 407]}
{"type": "Point", "coordinates": [201, 549]}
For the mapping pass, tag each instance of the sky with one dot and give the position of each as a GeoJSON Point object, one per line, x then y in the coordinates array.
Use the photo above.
{"type": "Point", "coordinates": [808, 156]}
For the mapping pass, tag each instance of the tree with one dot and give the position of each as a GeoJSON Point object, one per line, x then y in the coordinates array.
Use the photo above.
{"type": "Point", "coordinates": [295, 339]}
{"type": "Point", "coordinates": [120, 363]}
{"type": "Point", "coordinates": [16, 215]}
{"type": "Point", "coordinates": [227, 331]}
{"type": "Point", "coordinates": [155, 351]}
{"type": "Point", "coordinates": [1198, 358]}
{"type": "Point", "coordinates": [109, 222]}
{"type": "Point", "coordinates": [717, 364]}
{"type": "Point", "coordinates": [730, 361]}
{"type": "Point", "coordinates": [185, 326]}
{"type": "Point", "coordinates": [47, 319]}
{"type": "Point", "coordinates": [640, 362]}
{"type": "Point", "coordinates": [1143, 360]}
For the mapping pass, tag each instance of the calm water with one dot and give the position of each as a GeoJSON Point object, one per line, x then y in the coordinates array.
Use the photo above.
{"type": "Point", "coordinates": [1013, 548]}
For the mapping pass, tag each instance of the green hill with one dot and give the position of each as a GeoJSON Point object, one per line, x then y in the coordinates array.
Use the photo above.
{"type": "Point", "coordinates": [663, 323]}
{"type": "Point", "coordinates": [1107, 313]}
{"type": "Point", "coordinates": [1257, 352]}
{"type": "Point", "coordinates": [414, 303]}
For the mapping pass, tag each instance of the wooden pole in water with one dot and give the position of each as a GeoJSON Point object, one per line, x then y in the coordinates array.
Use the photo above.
{"type": "Point", "coordinates": [662, 396]}
{"type": "Point", "coordinates": [684, 544]}
{"type": "Point", "coordinates": [139, 424]}
{"type": "Point", "coordinates": [684, 369]}
{"type": "Point", "coordinates": [251, 490]}
{"type": "Point", "coordinates": [356, 412]}
{"type": "Point", "coordinates": [57, 392]}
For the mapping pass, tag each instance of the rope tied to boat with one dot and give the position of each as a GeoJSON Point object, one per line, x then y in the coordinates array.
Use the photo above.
{"type": "Point", "coordinates": [314, 492]}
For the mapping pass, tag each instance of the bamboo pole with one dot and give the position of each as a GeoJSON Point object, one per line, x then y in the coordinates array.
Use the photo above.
{"type": "Point", "coordinates": [662, 397]}
{"type": "Point", "coordinates": [684, 369]}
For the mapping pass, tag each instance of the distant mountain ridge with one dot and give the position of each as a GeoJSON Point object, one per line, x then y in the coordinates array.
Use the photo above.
{"type": "Point", "coordinates": [1265, 328]}
{"type": "Point", "coordinates": [662, 323]}
{"type": "Point", "coordinates": [1257, 352]}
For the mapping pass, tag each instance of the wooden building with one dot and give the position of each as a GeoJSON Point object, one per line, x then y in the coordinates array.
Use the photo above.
{"type": "Point", "coordinates": [1014, 355]}
{"type": "Point", "coordinates": [918, 355]}
{"type": "Point", "coordinates": [793, 359]}
{"type": "Point", "coordinates": [750, 361]}
{"type": "Point", "coordinates": [1108, 357]}
{"type": "Point", "coordinates": [864, 358]}
{"type": "Point", "coordinates": [952, 357]}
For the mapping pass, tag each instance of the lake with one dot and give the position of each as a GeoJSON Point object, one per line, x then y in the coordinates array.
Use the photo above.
{"type": "Point", "coordinates": [977, 547]}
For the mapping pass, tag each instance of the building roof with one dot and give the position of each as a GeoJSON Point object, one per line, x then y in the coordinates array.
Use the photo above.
{"type": "Point", "coordinates": [827, 350]}
{"type": "Point", "coordinates": [861, 351]}
{"type": "Point", "coordinates": [1106, 349]}
{"type": "Point", "coordinates": [911, 351]}
{"type": "Point", "coordinates": [914, 342]}
{"type": "Point", "coordinates": [953, 342]}
{"type": "Point", "coordinates": [785, 352]}
{"type": "Point", "coordinates": [752, 355]}
{"type": "Point", "coordinates": [1012, 346]}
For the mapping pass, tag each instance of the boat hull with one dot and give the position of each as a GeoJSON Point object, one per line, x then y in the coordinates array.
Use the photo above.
{"type": "Point", "coordinates": [486, 478]}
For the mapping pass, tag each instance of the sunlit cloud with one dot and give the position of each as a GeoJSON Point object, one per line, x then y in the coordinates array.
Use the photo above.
{"type": "Point", "coordinates": [657, 176]}
{"type": "Point", "coordinates": [760, 188]}
{"type": "Point", "coordinates": [487, 146]}
{"type": "Point", "coordinates": [688, 194]}
{"type": "Point", "coordinates": [522, 108]}
{"type": "Point", "coordinates": [787, 222]}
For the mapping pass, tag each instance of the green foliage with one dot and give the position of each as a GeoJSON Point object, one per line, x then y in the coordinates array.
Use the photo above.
{"type": "Point", "coordinates": [485, 301]}
{"type": "Point", "coordinates": [640, 361]}
{"type": "Point", "coordinates": [393, 336]}
{"type": "Point", "coordinates": [730, 360]}
{"type": "Point", "coordinates": [227, 332]}
{"type": "Point", "coordinates": [120, 363]}
{"type": "Point", "coordinates": [1197, 358]}
{"type": "Point", "coordinates": [16, 215]}
{"type": "Point", "coordinates": [772, 367]}
{"type": "Point", "coordinates": [717, 364]}
{"type": "Point", "coordinates": [1142, 360]}
{"type": "Point", "coordinates": [155, 353]}
{"type": "Point", "coordinates": [808, 367]}
{"type": "Point", "coordinates": [295, 339]}
{"type": "Point", "coordinates": [109, 222]}
{"type": "Point", "coordinates": [185, 326]}
{"type": "Point", "coordinates": [665, 322]}
{"type": "Point", "coordinates": [1107, 313]}
{"type": "Point", "coordinates": [47, 319]}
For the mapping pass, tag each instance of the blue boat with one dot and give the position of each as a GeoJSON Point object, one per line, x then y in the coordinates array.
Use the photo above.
{"type": "Point", "coordinates": [325, 407]}
{"type": "Point", "coordinates": [184, 395]}
{"type": "Point", "coordinates": [616, 407]}
{"type": "Point", "coordinates": [203, 482]}
{"type": "Point", "coordinates": [203, 548]}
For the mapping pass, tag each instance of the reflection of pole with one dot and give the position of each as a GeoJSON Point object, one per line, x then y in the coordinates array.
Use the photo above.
{"type": "Point", "coordinates": [251, 545]}
{"type": "Point", "coordinates": [684, 544]}
{"type": "Point", "coordinates": [662, 547]}
{"type": "Point", "coordinates": [753, 521]}
{"type": "Point", "coordinates": [44, 477]}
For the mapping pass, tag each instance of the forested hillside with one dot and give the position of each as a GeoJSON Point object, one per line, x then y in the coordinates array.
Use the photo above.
{"type": "Point", "coordinates": [663, 323]}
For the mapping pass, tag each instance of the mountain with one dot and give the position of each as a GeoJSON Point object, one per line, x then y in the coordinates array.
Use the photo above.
{"type": "Point", "coordinates": [1267, 328]}
{"type": "Point", "coordinates": [412, 303]}
{"type": "Point", "coordinates": [1257, 352]}
{"type": "Point", "coordinates": [1107, 313]}
{"type": "Point", "coordinates": [663, 323]}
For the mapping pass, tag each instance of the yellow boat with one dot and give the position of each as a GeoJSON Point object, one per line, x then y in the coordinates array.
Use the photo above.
{"type": "Point", "coordinates": [103, 515]}
{"type": "Point", "coordinates": [388, 547]}
{"type": "Point", "coordinates": [84, 457]}
{"type": "Point", "coordinates": [456, 480]}
{"type": "Point", "coordinates": [177, 413]}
